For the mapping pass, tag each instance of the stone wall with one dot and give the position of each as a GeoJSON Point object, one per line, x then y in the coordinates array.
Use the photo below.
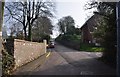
{"type": "Point", "coordinates": [25, 51]}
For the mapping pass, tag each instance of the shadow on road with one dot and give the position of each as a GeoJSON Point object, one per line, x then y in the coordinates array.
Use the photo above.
{"type": "Point", "coordinates": [65, 61]}
{"type": "Point", "coordinates": [83, 67]}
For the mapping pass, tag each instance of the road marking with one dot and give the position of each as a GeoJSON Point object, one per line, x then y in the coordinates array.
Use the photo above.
{"type": "Point", "coordinates": [48, 54]}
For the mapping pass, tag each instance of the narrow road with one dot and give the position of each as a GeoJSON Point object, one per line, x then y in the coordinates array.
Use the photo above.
{"type": "Point", "coordinates": [65, 61]}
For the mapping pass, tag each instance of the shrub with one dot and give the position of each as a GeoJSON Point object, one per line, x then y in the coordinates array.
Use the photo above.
{"type": "Point", "coordinates": [7, 63]}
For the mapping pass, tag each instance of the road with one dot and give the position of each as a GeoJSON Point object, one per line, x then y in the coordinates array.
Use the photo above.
{"type": "Point", "coordinates": [65, 61]}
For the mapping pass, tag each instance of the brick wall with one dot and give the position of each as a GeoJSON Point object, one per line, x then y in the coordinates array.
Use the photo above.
{"type": "Point", "coordinates": [86, 36]}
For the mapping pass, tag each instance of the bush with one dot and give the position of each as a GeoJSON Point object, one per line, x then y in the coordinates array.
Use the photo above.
{"type": "Point", "coordinates": [7, 63]}
{"type": "Point", "coordinates": [72, 41]}
{"type": "Point", "coordinates": [41, 38]}
{"type": "Point", "coordinates": [46, 37]}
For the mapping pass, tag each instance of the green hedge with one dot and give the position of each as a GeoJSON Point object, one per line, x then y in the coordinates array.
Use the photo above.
{"type": "Point", "coordinates": [74, 42]}
{"type": "Point", "coordinates": [71, 41]}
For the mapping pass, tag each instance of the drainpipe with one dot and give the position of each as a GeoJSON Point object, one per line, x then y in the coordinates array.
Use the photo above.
{"type": "Point", "coordinates": [118, 38]}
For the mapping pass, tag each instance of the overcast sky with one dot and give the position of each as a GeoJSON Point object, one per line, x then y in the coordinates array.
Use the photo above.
{"type": "Point", "coordinates": [74, 8]}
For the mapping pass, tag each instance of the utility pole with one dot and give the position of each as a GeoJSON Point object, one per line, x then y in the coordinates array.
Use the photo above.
{"type": "Point", "coordinates": [118, 38]}
{"type": "Point", "coordinates": [1, 22]}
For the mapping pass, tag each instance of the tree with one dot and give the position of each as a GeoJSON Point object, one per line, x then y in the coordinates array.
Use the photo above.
{"type": "Point", "coordinates": [99, 30]}
{"type": "Point", "coordinates": [19, 35]}
{"type": "Point", "coordinates": [107, 28]}
{"type": "Point", "coordinates": [15, 29]}
{"type": "Point", "coordinates": [77, 31]}
{"type": "Point", "coordinates": [27, 12]}
{"type": "Point", "coordinates": [66, 25]}
{"type": "Point", "coordinates": [42, 27]}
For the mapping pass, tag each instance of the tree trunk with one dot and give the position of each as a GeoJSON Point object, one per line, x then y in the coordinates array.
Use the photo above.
{"type": "Point", "coordinates": [25, 33]}
{"type": "Point", "coordinates": [29, 32]}
{"type": "Point", "coordinates": [29, 23]}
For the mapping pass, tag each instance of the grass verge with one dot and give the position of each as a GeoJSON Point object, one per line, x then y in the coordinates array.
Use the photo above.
{"type": "Point", "coordinates": [90, 48]}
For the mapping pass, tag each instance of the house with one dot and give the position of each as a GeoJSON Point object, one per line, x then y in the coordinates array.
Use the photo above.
{"type": "Point", "coordinates": [88, 28]}
{"type": "Point", "coordinates": [85, 34]}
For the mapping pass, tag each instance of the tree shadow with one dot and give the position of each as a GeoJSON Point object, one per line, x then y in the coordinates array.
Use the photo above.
{"type": "Point", "coordinates": [83, 67]}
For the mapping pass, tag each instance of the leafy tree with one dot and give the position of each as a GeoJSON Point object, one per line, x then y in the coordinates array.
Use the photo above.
{"type": "Point", "coordinates": [77, 31]}
{"type": "Point", "coordinates": [42, 26]}
{"type": "Point", "coordinates": [107, 28]}
{"type": "Point", "coordinates": [99, 31]}
{"type": "Point", "coordinates": [66, 25]}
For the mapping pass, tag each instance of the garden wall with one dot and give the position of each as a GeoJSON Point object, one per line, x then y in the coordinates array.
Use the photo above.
{"type": "Point", "coordinates": [25, 51]}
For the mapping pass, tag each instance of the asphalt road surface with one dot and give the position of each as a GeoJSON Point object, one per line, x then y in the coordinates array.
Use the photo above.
{"type": "Point", "coordinates": [66, 61]}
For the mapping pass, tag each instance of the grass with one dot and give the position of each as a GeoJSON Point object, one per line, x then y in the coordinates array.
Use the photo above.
{"type": "Point", "coordinates": [74, 41]}
{"type": "Point", "coordinates": [90, 48]}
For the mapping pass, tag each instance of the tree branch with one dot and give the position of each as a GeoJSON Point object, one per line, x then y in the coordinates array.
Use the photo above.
{"type": "Point", "coordinates": [12, 15]}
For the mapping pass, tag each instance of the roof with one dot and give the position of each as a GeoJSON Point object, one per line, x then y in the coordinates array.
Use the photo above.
{"type": "Point", "coordinates": [93, 21]}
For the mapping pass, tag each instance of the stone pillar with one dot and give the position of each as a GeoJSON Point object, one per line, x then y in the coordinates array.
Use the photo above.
{"type": "Point", "coordinates": [9, 46]}
{"type": "Point", "coordinates": [45, 43]}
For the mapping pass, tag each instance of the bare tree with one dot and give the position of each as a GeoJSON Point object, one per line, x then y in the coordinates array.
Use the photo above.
{"type": "Point", "coordinates": [27, 12]}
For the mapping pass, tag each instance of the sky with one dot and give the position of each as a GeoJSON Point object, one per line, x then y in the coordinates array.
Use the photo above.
{"type": "Point", "coordinates": [74, 8]}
